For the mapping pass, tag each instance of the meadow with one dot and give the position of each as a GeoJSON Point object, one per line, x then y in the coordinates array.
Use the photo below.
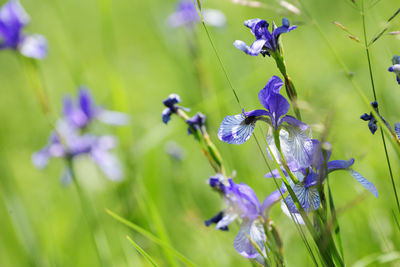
{"type": "Point", "coordinates": [132, 59]}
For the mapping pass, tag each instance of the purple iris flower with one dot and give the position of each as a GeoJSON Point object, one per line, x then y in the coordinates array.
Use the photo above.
{"type": "Point", "coordinates": [397, 129]}
{"type": "Point", "coordinates": [309, 178]}
{"type": "Point", "coordinates": [266, 42]}
{"type": "Point", "coordinates": [66, 142]}
{"type": "Point", "coordinates": [396, 67]}
{"type": "Point", "coordinates": [295, 143]}
{"type": "Point", "coordinates": [81, 113]}
{"type": "Point", "coordinates": [187, 15]}
{"type": "Point", "coordinates": [13, 19]}
{"type": "Point", "coordinates": [243, 203]}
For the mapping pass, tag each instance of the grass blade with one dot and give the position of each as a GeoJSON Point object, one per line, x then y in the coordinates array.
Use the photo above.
{"type": "Point", "coordinates": [152, 237]}
{"type": "Point", "coordinates": [142, 252]}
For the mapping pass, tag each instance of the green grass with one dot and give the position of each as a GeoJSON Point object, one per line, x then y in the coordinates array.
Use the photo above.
{"type": "Point", "coordinates": [124, 51]}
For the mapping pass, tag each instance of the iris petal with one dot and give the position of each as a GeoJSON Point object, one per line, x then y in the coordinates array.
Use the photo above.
{"type": "Point", "coordinates": [235, 130]}
{"type": "Point", "coordinates": [364, 182]}
{"type": "Point", "coordinates": [250, 229]}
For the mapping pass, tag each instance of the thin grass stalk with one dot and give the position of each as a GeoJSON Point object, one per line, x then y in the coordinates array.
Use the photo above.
{"type": "Point", "coordinates": [389, 133]}
{"type": "Point", "coordinates": [142, 252]}
{"type": "Point", "coordinates": [151, 237]}
{"type": "Point", "coordinates": [375, 99]}
{"type": "Point", "coordinates": [89, 216]}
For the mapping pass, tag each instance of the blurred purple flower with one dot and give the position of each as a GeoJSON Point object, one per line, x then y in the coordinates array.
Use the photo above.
{"type": "Point", "coordinates": [396, 67]}
{"type": "Point", "coordinates": [66, 142]}
{"type": "Point", "coordinates": [243, 203]}
{"type": "Point", "coordinates": [295, 143]}
{"type": "Point", "coordinates": [82, 112]}
{"type": "Point", "coordinates": [266, 42]}
{"type": "Point", "coordinates": [186, 15]}
{"type": "Point", "coordinates": [13, 19]}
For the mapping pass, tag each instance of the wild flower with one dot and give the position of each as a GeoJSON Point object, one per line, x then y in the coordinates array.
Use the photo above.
{"type": "Point", "coordinates": [196, 122]}
{"type": "Point", "coordinates": [396, 67]}
{"type": "Point", "coordinates": [266, 42]}
{"type": "Point", "coordinates": [72, 139]}
{"type": "Point", "coordinates": [13, 19]}
{"type": "Point", "coordinates": [66, 142]}
{"type": "Point", "coordinates": [83, 111]}
{"type": "Point", "coordinates": [313, 176]}
{"type": "Point", "coordinates": [187, 15]}
{"type": "Point", "coordinates": [171, 107]}
{"type": "Point", "coordinates": [294, 142]}
{"type": "Point", "coordinates": [243, 203]}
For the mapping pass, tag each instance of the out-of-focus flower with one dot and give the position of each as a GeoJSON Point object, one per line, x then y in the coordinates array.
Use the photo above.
{"type": "Point", "coordinates": [66, 142]}
{"type": "Point", "coordinates": [243, 203]}
{"type": "Point", "coordinates": [266, 42]}
{"type": "Point", "coordinates": [294, 142]}
{"type": "Point", "coordinates": [309, 178]}
{"type": "Point", "coordinates": [187, 15]}
{"type": "Point", "coordinates": [82, 112]}
{"type": "Point", "coordinates": [196, 122]}
{"type": "Point", "coordinates": [396, 67]}
{"type": "Point", "coordinates": [13, 19]}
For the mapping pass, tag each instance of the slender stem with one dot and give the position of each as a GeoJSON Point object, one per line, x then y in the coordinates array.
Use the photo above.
{"type": "Point", "coordinates": [87, 213]}
{"type": "Point", "coordinates": [375, 98]}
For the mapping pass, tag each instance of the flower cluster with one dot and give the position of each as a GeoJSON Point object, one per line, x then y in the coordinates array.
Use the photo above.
{"type": "Point", "coordinates": [13, 19]}
{"type": "Point", "coordinates": [71, 137]}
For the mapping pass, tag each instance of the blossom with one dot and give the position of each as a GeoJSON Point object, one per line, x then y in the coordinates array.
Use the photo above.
{"type": "Point", "coordinates": [187, 15]}
{"type": "Point", "coordinates": [13, 19]}
{"type": "Point", "coordinates": [294, 142]}
{"type": "Point", "coordinates": [82, 112]}
{"type": "Point", "coordinates": [66, 142]}
{"type": "Point", "coordinates": [196, 122]}
{"type": "Point", "coordinates": [171, 107]}
{"type": "Point", "coordinates": [309, 178]}
{"type": "Point", "coordinates": [266, 42]}
{"type": "Point", "coordinates": [243, 203]}
{"type": "Point", "coordinates": [396, 67]}
{"type": "Point", "coordinates": [372, 123]}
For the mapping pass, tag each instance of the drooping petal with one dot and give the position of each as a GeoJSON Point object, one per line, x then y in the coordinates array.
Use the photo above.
{"type": "Point", "coordinates": [229, 216]}
{"type": "Point", "coordinates": [113, 117]}
{"type": "Point", "coordinates": [339, 164]}
{"type": "Point", "coordinates": [250, 230]}
{"type": "Point", "coordinates": [256, 113]}
{"type": "Point", "coordinates": [108, 164]}
{"type": "Point", "coordinates": [270, 200]}
{"type": "Point", "coordinates": [295, 122]}
{"type": "Point", "coordinates": [235, 129]}
{"type": "Point", "coordinates": [34, 46]}
{"type": "Point", "coordinates": [252, 50]}
{"type": "Point", "coordinates": [295, 145]}
{"type": "Point", "coordinates": [307, 196]}
{"type": "Point", "coordinates": [364, 182]}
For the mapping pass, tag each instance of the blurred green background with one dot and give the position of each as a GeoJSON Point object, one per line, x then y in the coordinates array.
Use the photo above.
{"type": "Point", "coordinates": [126, 53]}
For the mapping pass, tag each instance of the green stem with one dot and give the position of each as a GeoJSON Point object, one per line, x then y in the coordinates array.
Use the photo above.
{"type": "Point", "coordinates": [289, 85]}
{"type": "Point", "coordinates": [89, 215]}
{"type": "Point", "coordinates": [375, 98]}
